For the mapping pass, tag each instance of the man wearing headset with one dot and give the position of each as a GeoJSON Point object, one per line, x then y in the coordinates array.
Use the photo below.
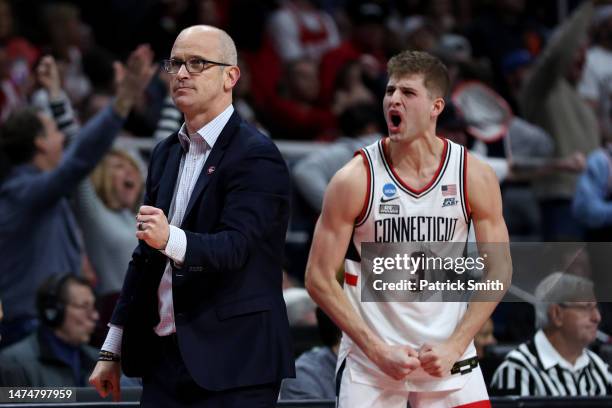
{"type": "Point", "coordinates": [56, 354]}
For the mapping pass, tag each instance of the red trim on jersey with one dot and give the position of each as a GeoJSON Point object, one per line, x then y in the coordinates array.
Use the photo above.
{"type": "Point", "coordinates": [402, 182]}
{"type": "Point", "coordinates": [350, 279]}
{"type": "Point", "coordinates": [465, 189]}
{"type": "Point", "coordinates": [366, 201]}
{"type": "Point", "coordinates": [477, 404]}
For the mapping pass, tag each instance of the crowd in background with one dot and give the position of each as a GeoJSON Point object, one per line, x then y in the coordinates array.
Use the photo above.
{"type": "Point", "coordinates": [531, 95]}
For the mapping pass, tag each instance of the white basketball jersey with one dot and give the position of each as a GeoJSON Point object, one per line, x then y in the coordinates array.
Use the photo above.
{"type": "Point", "coordinates": [395, 212]}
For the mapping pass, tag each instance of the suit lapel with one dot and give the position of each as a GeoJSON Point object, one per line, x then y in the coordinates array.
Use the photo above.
{"type": "Point", "coordinates": [212, 162]}
{"type": "Point", "coordinates": [169, 178]}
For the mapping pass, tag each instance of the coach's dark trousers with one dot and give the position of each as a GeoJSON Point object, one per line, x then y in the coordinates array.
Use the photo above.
{"type": "Point", "coordinates": [170, 385]}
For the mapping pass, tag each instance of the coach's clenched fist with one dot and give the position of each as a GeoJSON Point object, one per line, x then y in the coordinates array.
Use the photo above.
{"type": "Point", "coordinates": [152, 227]}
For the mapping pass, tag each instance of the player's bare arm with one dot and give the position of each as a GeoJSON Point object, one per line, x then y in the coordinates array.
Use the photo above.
{"type": "Point", "coordinates": [342, 204]}
{"type": "Point", "coordinates": [484, 198]}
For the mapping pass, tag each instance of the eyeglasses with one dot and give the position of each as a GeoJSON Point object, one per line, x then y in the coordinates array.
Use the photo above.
{"type": "Point", "coordinates": [86, 307]}
{"type": "Point", "coordinates": [583, 307]}
{"type": "Point", "coordinates": [193, 65]}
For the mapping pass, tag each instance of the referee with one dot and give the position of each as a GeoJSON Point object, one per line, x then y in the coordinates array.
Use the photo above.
{"type": "Point", "coordinates": [556, 361]}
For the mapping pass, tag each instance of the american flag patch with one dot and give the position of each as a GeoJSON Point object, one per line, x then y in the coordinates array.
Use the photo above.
{"type": "Point", "coordinates": [449, 190]}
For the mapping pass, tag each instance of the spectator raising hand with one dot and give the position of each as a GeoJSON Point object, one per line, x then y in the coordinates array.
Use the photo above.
{"type": "Point", "coordinates": [133, 78]}
{"type": "Point", "coordinates": [36, 178]}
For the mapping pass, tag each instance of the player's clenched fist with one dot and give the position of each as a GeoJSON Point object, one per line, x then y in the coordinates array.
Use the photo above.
{"type": "Point", "coordinates": [396, 361]}
{"type": "Point", "coordinates": [437, 360]}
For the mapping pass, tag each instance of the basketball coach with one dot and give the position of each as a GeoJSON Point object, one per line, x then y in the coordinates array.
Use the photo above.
{"type": "Point", "coordinates": [201, 317]}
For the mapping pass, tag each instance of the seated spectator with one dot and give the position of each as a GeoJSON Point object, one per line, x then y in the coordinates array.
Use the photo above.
{"type": "Point", "coordinates": [366, 44]}
{"type": "Point", "coordinates": [443, 14]}
{"type": "Point", "coordinates": [11, 97]}
{"type": "Point", "coordinates": [420, 34]}
{"type": "Point", "coordinates": [67, 39]}
{"type": "Point", "coordinates": [36, 178]}
{"type": "Point", "coordinates": [315, 369]}
{"type": "Point", "coordinates": [105, 206]}
{"type": "Point", "coordinates": [592, 203]}
{"type": "Point", "coordinates": [57, 355]}
{"type": "Point", "coordinates": [19, 56]}
{"type": "Point", "coordinates": [20, 51]}
{"type": "Point", "coordinates": [244, 100]}
{"type": "Point", "coordinates": [351, 88]}
{"type": "Point", "coordinates": [556, 362]}
{"type": "Point", "coordinates": [295, 112]}
{"type": "Point", "coordinates": [10, 373]}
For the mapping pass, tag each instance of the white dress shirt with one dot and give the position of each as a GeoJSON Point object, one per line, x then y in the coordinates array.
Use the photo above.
{"type": "Point", "coordinates": [196, 148]}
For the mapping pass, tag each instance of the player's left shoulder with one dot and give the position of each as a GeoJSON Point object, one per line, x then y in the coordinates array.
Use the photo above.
{"type": "Point", "coordinates": [483, 192]}
{"type": "Point", "coordinates": [479, 173]}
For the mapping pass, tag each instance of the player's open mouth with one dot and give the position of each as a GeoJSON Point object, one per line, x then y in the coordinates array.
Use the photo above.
{"type": "Point", "coordinates": [396, 119]}
{"type": "Point", "coordinates": [129, 184]}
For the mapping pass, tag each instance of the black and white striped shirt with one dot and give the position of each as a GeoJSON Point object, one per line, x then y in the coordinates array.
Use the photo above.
{"type": "Point", "coordinates": [535, 368]}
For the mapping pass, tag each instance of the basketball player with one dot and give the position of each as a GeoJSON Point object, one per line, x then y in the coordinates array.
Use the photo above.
{"type": "Point", "coordinates": [396, 353]}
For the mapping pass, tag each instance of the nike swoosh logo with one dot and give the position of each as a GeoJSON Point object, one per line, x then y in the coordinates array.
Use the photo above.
{"type": "Point", "coordinates": [386, 200]}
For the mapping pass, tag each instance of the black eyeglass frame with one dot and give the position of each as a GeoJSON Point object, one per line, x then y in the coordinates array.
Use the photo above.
{"type": "Point", "coordinates": [168, 63]}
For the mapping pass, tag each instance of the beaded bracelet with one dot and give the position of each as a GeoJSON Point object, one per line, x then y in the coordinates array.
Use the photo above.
{"type": "Point", "coordinates": [108, 356]}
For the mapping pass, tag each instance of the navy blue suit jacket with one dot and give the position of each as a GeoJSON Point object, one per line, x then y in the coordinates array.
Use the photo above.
{"type": "Point", "coordinates": [231, 320]}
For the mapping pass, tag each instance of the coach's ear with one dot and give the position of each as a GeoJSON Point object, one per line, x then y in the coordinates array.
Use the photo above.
{"type": "Point", "coordinates": [232, 74]}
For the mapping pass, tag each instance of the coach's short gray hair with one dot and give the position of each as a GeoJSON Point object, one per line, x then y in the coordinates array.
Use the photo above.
{"type": "Point", "coordinates": [558, 287]}
{"type": "Point", "coordinates": [228, 48]}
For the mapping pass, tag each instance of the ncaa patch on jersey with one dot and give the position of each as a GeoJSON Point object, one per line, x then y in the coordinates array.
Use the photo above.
{"type": "Point", "coordinates": [388, 209]}
{"type": "Point", "coordinates": [389, 190]}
